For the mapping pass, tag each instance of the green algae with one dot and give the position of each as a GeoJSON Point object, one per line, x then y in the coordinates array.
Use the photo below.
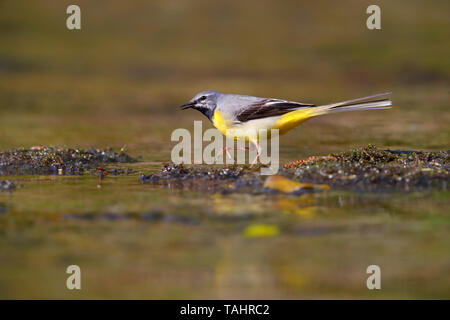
{"type": "Point", "coordinates": [373, 168]}
{"type": "Point", "coordinates": [62, 161]}
{"type": "Point", "coordinates": [366, 168]}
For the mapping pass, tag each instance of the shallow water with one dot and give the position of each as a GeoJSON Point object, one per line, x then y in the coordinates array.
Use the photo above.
{"type": "Point", "coordinates": [140, 241]}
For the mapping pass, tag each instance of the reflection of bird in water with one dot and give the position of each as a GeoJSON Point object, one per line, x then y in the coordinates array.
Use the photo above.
{"type": "Point", "coordinates": [237, 204]}
{"type": "Point", "coordinates": [302, 205]}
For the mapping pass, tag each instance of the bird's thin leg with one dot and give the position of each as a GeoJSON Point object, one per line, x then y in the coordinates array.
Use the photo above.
{"type": "Point", "coordinates": [246, 148]}
{"type": "Point", "coordinates": [258, 148]}
{"type": "Point", "coordinates": [225, 149]}
{"type": "Point", "coordinates": [228, 153]}
{"type": "Point", "coordinates": [232, 148]}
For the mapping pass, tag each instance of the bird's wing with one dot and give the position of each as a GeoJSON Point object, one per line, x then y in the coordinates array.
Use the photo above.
{"type": "Point", "coordinates": [265, 108]}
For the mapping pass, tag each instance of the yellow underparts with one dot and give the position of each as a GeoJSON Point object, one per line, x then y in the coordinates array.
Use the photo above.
{"type": "Point", "coordinates": [220, 123]}
{"type": "Point", "coordinates": [292, 119]}
{"type": "Point", "coordinates": [249, 130]}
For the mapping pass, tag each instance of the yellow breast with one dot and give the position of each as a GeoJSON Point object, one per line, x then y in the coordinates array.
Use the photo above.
{"type": "Point", "coordinates": [242, 131]}
{"type": "Point", "coordinates": [220, 123]}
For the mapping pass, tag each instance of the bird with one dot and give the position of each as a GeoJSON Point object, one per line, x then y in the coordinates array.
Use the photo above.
{"type": "Point", "coordinates": [242, 117]}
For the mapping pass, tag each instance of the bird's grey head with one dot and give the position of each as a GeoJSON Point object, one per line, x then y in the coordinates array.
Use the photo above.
{"type": "Point", "coordinates": [205, 102]}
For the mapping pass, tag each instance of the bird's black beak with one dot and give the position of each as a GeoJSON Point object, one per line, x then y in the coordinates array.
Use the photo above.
{"type": "Point", "coordinates": [187, 105]}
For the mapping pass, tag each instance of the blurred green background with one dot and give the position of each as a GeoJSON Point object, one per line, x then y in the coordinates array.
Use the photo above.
{"type": "Point", "coordinates": [118, 82]}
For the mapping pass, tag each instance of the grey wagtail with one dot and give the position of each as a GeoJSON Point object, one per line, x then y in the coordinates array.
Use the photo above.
{"type": "Point", "coordinates": [241, 117]}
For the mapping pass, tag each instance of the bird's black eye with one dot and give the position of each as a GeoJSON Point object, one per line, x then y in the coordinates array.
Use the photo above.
{"type": "Point", "coordinates": [202, 98]}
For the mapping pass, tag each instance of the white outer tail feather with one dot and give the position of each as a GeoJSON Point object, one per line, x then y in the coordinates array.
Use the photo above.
{"type": "Point", "coordinates": [349, 105]}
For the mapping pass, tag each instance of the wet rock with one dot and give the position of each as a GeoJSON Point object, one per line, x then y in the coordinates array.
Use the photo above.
{"type": "Point", "coordinates": [84, 216]}
{"type": "Point", "coordinates": [181, 172]}
{"type": "Point", "coordinates": [112, 216]}
{"type": "Point", "coordinates": [152, 216]}
{"type": "Point", "coordinates": [7, 186]}
{"type": "Point", "coordinates": [363, 169]}
{"type": "Point", "coordinates": [196, 178]}
{"type": "Point", "coordinates": [152, 178]}
{"type": "Point", "coordinates": [174, 218]}
{"type": "Point", "coordinates": [51, 160]}
{"type": "Point", "coordinates": [372, 168]}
